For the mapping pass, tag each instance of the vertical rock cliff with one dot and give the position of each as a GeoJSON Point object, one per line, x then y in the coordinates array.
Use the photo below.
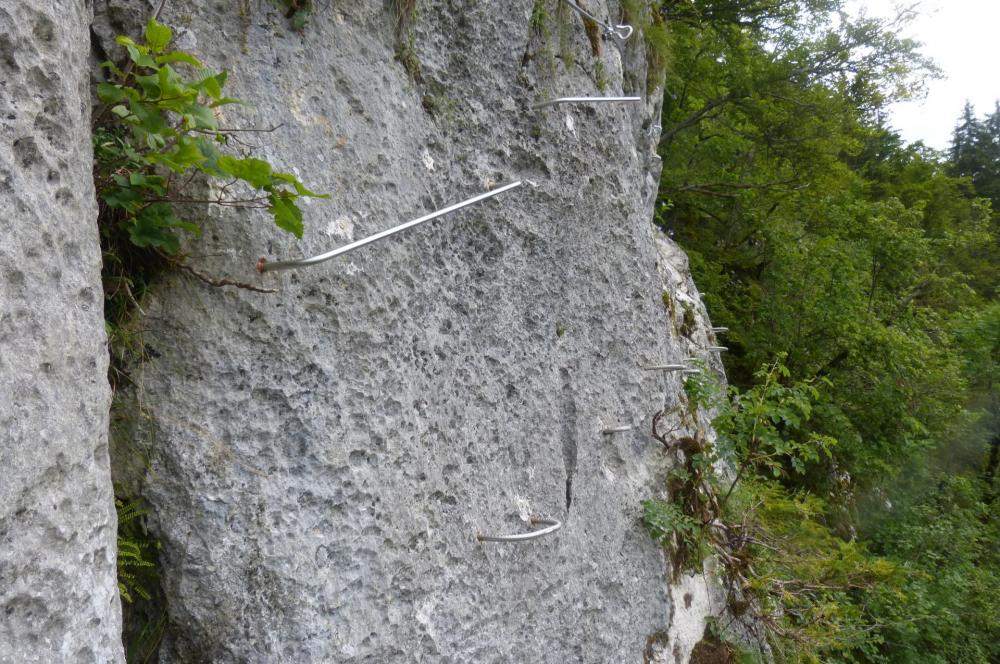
{"type": "Point", "coordinates": [58, 595]}
{"type": "Point", "coordinates": [322, 458]}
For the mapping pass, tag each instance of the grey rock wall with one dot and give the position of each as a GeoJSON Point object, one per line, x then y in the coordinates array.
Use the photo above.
{"type": "Point", "coordinates": [58, 594]}
{"type": "Point", "coordinates": [323, 457]}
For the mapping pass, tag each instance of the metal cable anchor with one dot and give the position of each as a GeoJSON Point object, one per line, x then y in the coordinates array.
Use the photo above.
{"type": "Point", "coordinates": [264, 266]}
{"type": "Point", "coordinates": [582, 100]}
{"type": "Point", "coordinates": [622, 32]}
{"type": "Point", "coordinates": [553, 526]}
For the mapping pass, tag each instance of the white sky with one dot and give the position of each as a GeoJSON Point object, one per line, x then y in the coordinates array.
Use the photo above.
{"type": "Point", "coordinates": [963, 38]}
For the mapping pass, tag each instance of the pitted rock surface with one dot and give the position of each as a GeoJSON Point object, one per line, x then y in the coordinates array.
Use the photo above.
{"type": "Point", "coordinates": [58, 593]}
{"type": "Point", "coordinates": [324, 457]}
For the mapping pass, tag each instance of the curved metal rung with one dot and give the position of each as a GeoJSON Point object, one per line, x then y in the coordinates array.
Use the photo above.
{"type": "Point", "coordinates": [719, 330]}
{"type": "Point", "coordinates": [618, 31]}
{"type": "Point", "coordinates": [264, 266]}
{"type": "Point", "coordinates": [622, 32]}
{"type": "Point", "coordinates": [666, 367]}
{"type": "Point", "coordinates": [717, 349]}
{"type": "Point", "coordinates": [619, 429]}
{"type": "Point", "coordinates": [582, 100]}
{"type": "Point", "coordinates": [553, 526]}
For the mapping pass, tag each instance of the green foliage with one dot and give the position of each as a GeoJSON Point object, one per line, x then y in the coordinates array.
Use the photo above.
{"type": "Point", "coordinates": [765, 427]}
{"type": "Point", "coordinates": [136, 552]}
{"type": "Point", "coordinates": [702, 389]}
{"type": "Point", "coordinates": [298, 12]}
{"type": "Point", "coordinates": [782, 561]}
{"type": "Point", "coordinates": [866, 469]}
{"type": "Point", "coordinates": [405, 12]}
{"type": "Point", "coordinates": [157, 131]}
{"type": "Point", "coordinates": [540, 27]}
{"type": "Point", "coordinates": [947, 609]}
{"type": "Point", "coordinates": [666, 520]}
{"type": "Point", "coordinates": [647, 18]}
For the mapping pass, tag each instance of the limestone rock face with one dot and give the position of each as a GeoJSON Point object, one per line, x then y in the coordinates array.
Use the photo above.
{"type": "Point", "coordinates": [58, 594]}
{"type": "Point", "coordinates": [324, 456]}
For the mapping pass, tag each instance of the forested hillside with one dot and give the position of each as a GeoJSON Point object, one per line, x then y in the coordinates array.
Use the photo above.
{"type": "Point", "coordinates": [861, 274]}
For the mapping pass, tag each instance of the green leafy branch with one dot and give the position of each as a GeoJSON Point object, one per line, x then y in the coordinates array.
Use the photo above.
{"type": "Point", "coordinates": [157, 131]}
{"type": "Point", "coordinates": [780, 559]}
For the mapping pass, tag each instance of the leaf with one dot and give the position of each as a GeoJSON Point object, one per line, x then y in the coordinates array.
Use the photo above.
{"type": "Point", "coordinates": [222, 101]}
{"type": "Point", "coordinates": [257, 172]}
{"type": "Point", "coordinates": [184, 156]}
{"type": "Point", "coordinates": [179, 56]}
{"type": "Point", "coordinates": [154, 183]}
{"type": "Point", "coordinates": [287, 214]}
{"type": "Point", "coordinates": [212, 85]}
{"type": "Point", "coordinates": [158, 36]}
{"type": "Point", "coordinates": [300, 189]}
{"type": "Point", "coordinates": [299, 19]}
{"type": "Point", "coordinates": [122, 198]}
{"type": "Point", "coordinates": [171, 84]}
{"type": "Point", "coordinates": [202, 117]}
{"type": "Point", "coordinates": [109, 94]}
{"type": "Point", "coordinates": [152, 227]}
{"type": "Point", "coordinates": [138, 54]}
{"type": "Point", "coordinates": [150, 85]}
{"type": "Point", "coordinates": [145, 234]}
{"type": "Point", "coordinates": [113, 68]}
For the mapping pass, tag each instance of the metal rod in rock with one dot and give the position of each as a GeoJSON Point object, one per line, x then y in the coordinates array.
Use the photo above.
{"type": "Point", "coordinates": [583, 100]}
{"type": "Point", "coordinates": [553, 525]}
{"type": "Point", "coordinates": [264, 266]}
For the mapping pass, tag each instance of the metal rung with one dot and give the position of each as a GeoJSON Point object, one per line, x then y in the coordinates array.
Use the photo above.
{"type": "Point", "coordinates": [553, 526]}
{"type": "Point", "coordinates": [618, 429]}
{"type": "Point", "coordinates": [691, 372]}
{"type": "Point", "coordinates": [716, 349]}
{"type": "Point", "coordinates": [583, 100]}
{"type": "Point", "coordinates": [719, 330]}
{"type": "Point", "coordinates": [666, 367]}
{"type": "Point", "coordinates": [622, 32]}
{"type": "Point", "coordinates": [264, 266]}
